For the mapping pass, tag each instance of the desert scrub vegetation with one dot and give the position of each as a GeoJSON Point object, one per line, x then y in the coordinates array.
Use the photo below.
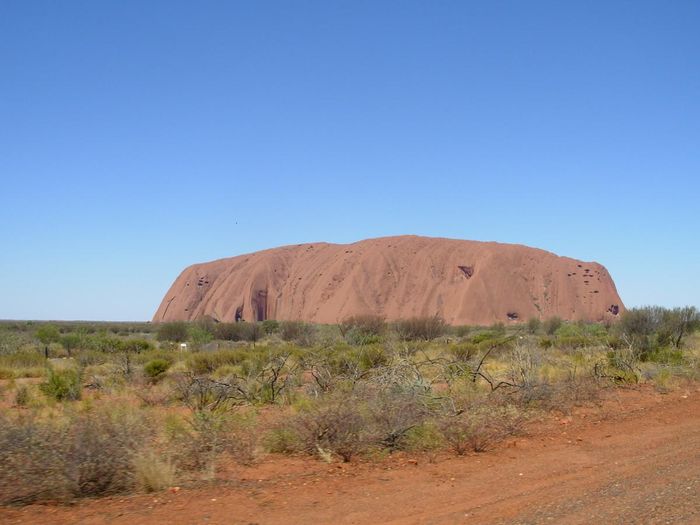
{"type": "Point", "coordinates": [63, 384]}
{"type": "Point", "coordinates": [479, 426]}
{"type": "Point", "coordinates": [106, 408]}
{"type": "Point", "coordinates": [77, 455]}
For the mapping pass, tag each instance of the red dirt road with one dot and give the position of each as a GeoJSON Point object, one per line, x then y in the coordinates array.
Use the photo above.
{"type": "Point", "coordinates": [634, 460]}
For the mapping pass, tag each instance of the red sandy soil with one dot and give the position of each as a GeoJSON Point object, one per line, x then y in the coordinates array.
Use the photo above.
{"type": "Point", "coordinates": [464, 282]}
{"type": "Point", "coordinates": [633, 459]}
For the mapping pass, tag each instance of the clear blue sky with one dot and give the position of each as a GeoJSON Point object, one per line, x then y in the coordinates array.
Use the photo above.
{"type": "Point", "coordinates": [139, 137]}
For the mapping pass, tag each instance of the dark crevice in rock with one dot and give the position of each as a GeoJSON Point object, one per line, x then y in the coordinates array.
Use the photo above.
{"type": "Point", "coordinates": [167, 306]}
{"type": "Point", "coordinates": [468, 271]}
{"type": "Point", "coordinates": [259, 301]}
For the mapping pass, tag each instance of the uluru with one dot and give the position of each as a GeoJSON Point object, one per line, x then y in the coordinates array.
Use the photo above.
{"type": "Point", "coordinates": [464, 282]}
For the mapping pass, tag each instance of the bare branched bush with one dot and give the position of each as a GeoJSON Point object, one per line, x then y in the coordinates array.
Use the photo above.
{"type": "Point", "coordinates": [204, 394]}
{"type": "Point", "coordinates": [161, 394]}
{"type": "Point", "coordinates": [329, 368]}
{"type": "Point", "coordinates": [523, 373]}
{"type": "Point", "coordinates": [393, 413]}
{"type": "Point", "coordinates": [99, 454]}
{"type": "Point", "coordinates": [404, 374]}
{"type": "Point", "coordinates": [479, 427]}
{"type": "Point", "coordinates": [337, 425]}
{"type": "Point", "coordinates": [31, 455]}
{"type": "Point", "coordinates": [575, 390]}
{"type": "Point", "coordinates": [207, 435]}
{"type": "Point", "coordinates": [88, 455]}
{"type": "Point", "coordinates": [622, 364]}
{"type": "Point", "coordinates": [274, 378]}
{"type": "Point", "coordinates": [464, 352]}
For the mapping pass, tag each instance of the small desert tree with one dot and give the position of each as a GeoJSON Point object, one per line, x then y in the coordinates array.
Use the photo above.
{"type": "Point", "coordinates": [71, 342]}
{"type": "Point", "coordinates": [680, 322]}
{"type": "Point", "coordinates": [133, 346]}
{"type": "Point", "coordinates": [552, 324]}
{"type": "Point", "coordinates": [48, 334]}
{"type": "Point", "coordinates": [533, 325]}
{"type": "Point", "coordinates": [175, 332]}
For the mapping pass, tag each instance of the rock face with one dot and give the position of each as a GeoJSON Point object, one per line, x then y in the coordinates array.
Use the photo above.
{"type": "Point", "coordinates": [464, 282]}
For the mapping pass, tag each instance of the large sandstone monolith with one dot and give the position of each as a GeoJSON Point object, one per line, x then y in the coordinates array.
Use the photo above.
{"type": "Point", "coordinates": [464, 282]}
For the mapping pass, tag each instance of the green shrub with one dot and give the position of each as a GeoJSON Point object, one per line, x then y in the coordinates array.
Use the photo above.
{"type": "Point", "coordinates": [666, 356]}
{"type": "Point", "coordinates": [48, 333]}
{"type": "Point", "coordinates": [545, 342]}
{"type": "Point", "coordinates": [91, 357]}
{"type": "Point", "coordinates": [483, 336]}
{"type": "Point", "coordinates": [464, 351]}
{"type": "Point", "coordinates": [349, 361]}
{"type": "Point", "coordinates": [156, 368]}
{"type": "Point", "coordinates": [71, 342]}
{"type": "Point", "coordinates": [420, 328]}
{"type": "Point", "coordinates": [103, 343]}
{"type": "Point", "coordinates": [498, 329]}
{"type": "Point", "coordinates": [153, 472]}
{"type": "Point", "coordinates": [34, 371]}
{"type": "Point", "coordinates": [12, 339]}
{"type": "Point", "coordinates": [136, 346]}
{"type": "Point", "coordinates": [533, 325]}
{"type": "Point", "coordinates": [425, 437]}
{"type": "Point", "coordinates": [372, 357]}
{"type": "Point", "coordinates": [573, 341]}
{"type": "Point", "coordinates": [282, 440]}
{"type": "Point", "coordinates": [63, 385]}
{"type": "Point", "coordinates": [622, 366]}
{"type": "Point", "coordinates": [551, 325]}
{"type": "Point", "coordinates": [23, 396]}
{"type": "Point", "coordinates": [201, 333]}
{"type": "Point", "coordinates": [461, 330]}
{"type": "Point", "coordinates": [270, 326]}
{"type": "Point", "coordinates": [240, 331]}
{"type": "Point", "coordinates": [651, 327]}
{"type": "Point", "coordinates": [23, 359]}
{"type": "Point", "coordinates": [175, 332]}
{"type": "Point", "coordinates": [208, 362]}
{"type": "Point", "coordinates": [356, 337]}
{"type": "Point", "coordinates": [303, 334]}
{"type": "Point", "coordinates": [228, 331]}
{"type": "Point", "coordinates": [363, 329]}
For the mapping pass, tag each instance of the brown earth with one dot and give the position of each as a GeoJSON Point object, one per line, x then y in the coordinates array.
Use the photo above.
{"type": "Point", "coordinates": [464, 282]}
{"type": "Point", "coordinates": [634, 459]}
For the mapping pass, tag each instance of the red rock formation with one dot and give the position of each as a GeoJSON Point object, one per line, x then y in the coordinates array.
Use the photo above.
{"type": "Point", "coordinates": [465, 282]}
